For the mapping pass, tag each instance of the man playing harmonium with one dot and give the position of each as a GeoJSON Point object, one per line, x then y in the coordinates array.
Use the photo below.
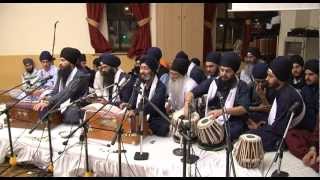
{"type": "Point", "coordinates": [70, 86]}
{"type": "Point", "coordinates": [233, 90]}
{"type": "Point", "coordinates": [155, 91]}
{"type": "Point", "coordinates": [108, 81]}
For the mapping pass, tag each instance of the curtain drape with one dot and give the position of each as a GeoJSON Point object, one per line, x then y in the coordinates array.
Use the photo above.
{"type": "Point", "coordinates": [98, 41]}
{"type": "Point", "coordinates": [142, 37]}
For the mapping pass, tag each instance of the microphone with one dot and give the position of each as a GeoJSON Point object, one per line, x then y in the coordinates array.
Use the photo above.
{"type": "Point", "coordinates": [294, 106]}
{"type": "Point", "coordinates": [46, 79]}
{"type": "Point", "coordinates": [219, 95]}
{"type": "Point", "coordinates": [55, 24]}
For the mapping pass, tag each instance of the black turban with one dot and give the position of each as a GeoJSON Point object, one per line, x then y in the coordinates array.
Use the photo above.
{"type": "Point", "coordinates": [182, 54]}
{"type": "Point", "coordinates": [260, 71]}
{"type": "Point", "coordinates": [213, 57]}
{"type": "Point", "coordinates": [296, 59]}
{"type": "Point", "coordinates": [151, 62]}
{"type": "Point", "coordinates": [254, 51]}
{"type": "Point", "coordinates": [28, 61]}
{"type": "Point", "coordinates": [155, 52]}
{"type": "Point", "coordinates": [312, 65]}
{"type": "Point", "coordinates": [110, 59]}
{"type": "Point", "coordinates": [230, 59]}
{"type": "Point", "coordinates": [180, 65]}
{"type": "Point", "coordinates": [45, 55]}
{"type": "Point", "coordinates": [281, 68]}
{"type": "Point", "coordinates": [70, 54]}
{"type": "Point", "coordinates": [196, 61]}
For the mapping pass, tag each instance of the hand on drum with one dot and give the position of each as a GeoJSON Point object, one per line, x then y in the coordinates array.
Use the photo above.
{"type": "Point", "coordinates": [215, 113]}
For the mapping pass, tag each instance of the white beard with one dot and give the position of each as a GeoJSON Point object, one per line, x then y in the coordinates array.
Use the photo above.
{"type": "Point", "coordinates": [175, 89]}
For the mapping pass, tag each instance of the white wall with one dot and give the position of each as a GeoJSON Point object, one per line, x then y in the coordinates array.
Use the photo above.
{"type": "Point", "coordinates": [27, 28]}
{"type": "Point", "coordinates": [296, 19]}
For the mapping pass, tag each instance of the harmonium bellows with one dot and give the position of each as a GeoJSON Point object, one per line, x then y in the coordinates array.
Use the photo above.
{"type": "Point", "coordinates": [23, 116]}
{"type": "Point", "coordinates": [103, 126]}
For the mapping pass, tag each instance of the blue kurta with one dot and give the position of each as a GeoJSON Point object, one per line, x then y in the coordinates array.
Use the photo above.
{"type": "Point", "coordinates": [272, 134]}
{"type": "Point", "coordinates": [237, 123]}
{"type": "Point", "coordinates": [157, 124]}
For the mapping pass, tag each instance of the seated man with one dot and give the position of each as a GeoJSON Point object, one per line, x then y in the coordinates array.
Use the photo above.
{"type": "Point", "coordinates": [260, 96]}
{"type": "Point", "coordinates": [285, 96]}
{"type": "Point", "coordinates": [31, 74]}
{"type": "Point", "coordinates": [232, 89]}
{"type": "Point", "coordinates": [251, 58]}
{"type": "Point", "coordinates": [297, 76]}
{"type": "Point", "coordinates": [179, 84]}
{"type": "Point", "coordinates": [96, 64]}
{"type": "Point", "coordinates": [71, 85]}
{"type": "Point", "coordinates": [194, 71]}
{"type": "Point", "coordinates": [303, 140]}
{"type": "Point", "coordinates": [155, 91]}
{"type": "Point", "coordinates": [48, 69]}
{"type": "Point", "coordinates": [82, 65]}
{"type": "Point", "coordinates": [212, 64]}
{"type": "Point", "coordinates": [107, 80]}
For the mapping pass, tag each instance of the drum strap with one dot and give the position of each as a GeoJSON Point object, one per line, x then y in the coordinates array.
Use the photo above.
{"type": "Point", "coordinates": [229, 101]}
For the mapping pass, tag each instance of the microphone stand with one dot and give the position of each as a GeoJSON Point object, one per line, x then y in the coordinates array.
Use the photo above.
{"type": "Point", "coordinates": [89, 172]}
{"type": "Point", "coordinates": [278, 172]}
{"type": "Point", "coordinates": [141, 155]}
{"type": "Point", "coordinates": [4, 92]}
{"type": "Point", "coordinates": [229, 146]}
{"type": "Point", "coordinates": [13, 160]}
{"type": "Point", "coordinates": [54, 36]}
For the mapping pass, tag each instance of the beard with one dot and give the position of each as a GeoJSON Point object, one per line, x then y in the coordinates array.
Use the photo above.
{"type": "Point", "coordinates": [30, 71]}
{"type": "Point", "coordinates": [177, 96]}
{"type": "Point", "coordinates": [108, 77]}
{"type": "Point", "coordinates": [226, 85]}
{"type": "Point", "coordinates": [248, 69]}
{"type": "Point", "coordinates": [64, 73]}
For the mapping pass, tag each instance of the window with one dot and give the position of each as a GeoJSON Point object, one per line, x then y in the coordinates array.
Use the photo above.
{"type": "Point", "coordinates": [229, 28]}
{"type": "Point", "coordinates": [121, 26]}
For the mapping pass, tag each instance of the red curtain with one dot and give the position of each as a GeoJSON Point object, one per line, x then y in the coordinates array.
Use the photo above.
{"type": "Point", "coordinates": [142, 37]}
{"type": "Point", "coordinates": [247, 37]}
{"type": "Point", "coordinates": [209, 15]}
{"type": "Point", "coordinates": [98, 42]}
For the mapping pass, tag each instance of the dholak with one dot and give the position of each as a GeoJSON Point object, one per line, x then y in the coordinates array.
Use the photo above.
{"type": "Point", "coordinates": [178, 118]}
{"type": "Point", "coordinates": [249, 151]}
{"type": "Point", "coordinates": [210, 134]}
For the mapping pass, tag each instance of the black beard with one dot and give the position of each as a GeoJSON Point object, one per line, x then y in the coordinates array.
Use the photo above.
{"type": "Point", "coordinates": [64, 73]}
{"type": "Point", "coordinates": [108, 77]}
{"type": "Point", "coordinates": [30, 70]}
{"type": "Point", "coordinates": [225, 86]}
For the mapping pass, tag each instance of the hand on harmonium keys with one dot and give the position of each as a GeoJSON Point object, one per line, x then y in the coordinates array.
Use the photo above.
{"type": "Point", "coordinates": [40, 106]}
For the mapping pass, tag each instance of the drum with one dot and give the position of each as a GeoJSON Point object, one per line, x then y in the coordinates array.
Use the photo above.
{"type": "Point", "coordinates": [178, 118]}
{"type": "Point", "coordinates": [249, 151]}
{"type": "Point", "coordinates": [210, 134]}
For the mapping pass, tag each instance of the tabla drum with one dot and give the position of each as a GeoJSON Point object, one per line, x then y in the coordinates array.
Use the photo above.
{"type": "Point", "coordinates": [249, 151]}
{"type": "Point", "coordinates": [178, 118]}
{"type": "Point", "coordinates": [210, 134]}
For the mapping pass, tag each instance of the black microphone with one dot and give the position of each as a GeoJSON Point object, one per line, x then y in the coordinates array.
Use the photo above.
{"type": "Point", "coordinates": [219, 95]}
{"type": "Point", "coordinates": [46, 79]}
{"type": "Point", "coordinates": [294, 106]}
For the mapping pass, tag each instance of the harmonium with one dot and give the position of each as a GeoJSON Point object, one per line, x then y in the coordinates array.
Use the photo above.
{"type": "Point", "coordinates": [23, 116]}
{"type": "Point", "coordinates": [104, 124]}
